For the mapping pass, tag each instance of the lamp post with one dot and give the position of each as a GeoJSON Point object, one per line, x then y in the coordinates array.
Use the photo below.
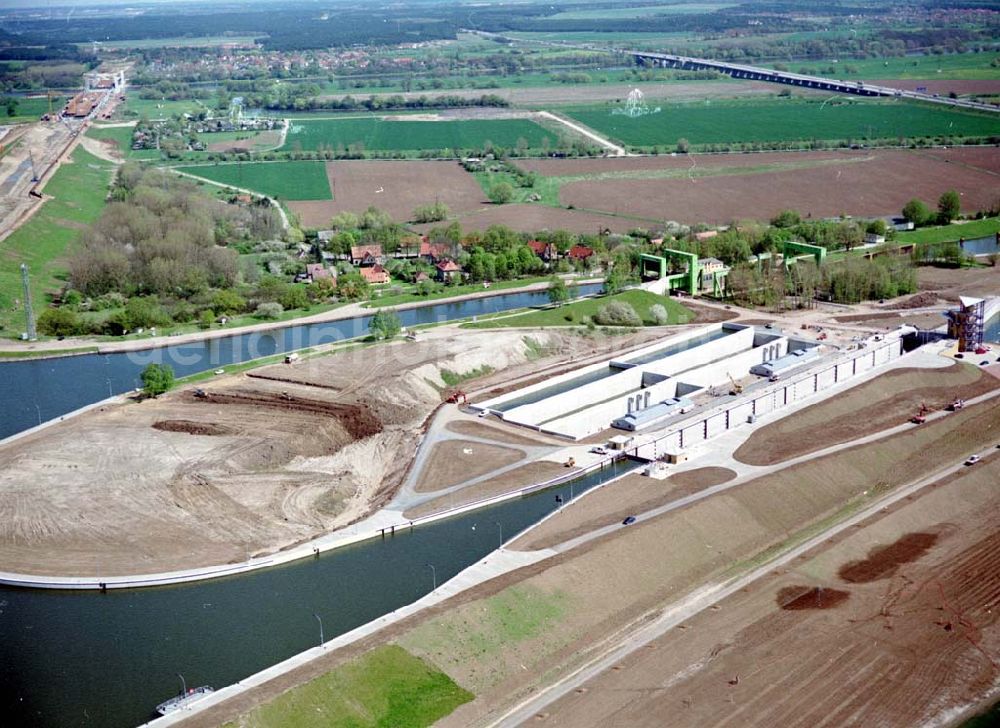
{"type": "Point", "coordinates": [434, 577]}
{"type": "Point", "coordinates": [320, 628]}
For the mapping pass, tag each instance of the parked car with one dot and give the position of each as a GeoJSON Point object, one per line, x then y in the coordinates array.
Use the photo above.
{"type": "Point", "coordinates": [628, 521]}
{"type": "Point", "coordinates": [598, 450]}
{"type": "Point", "coordinates": [973, 459]}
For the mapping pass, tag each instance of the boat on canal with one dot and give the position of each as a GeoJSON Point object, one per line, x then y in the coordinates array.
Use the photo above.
{"type": "Point", "coordinates": [185, 699]}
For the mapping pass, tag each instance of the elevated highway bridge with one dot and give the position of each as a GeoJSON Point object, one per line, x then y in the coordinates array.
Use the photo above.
{"type": "Point", "coordinates": [754, 73]}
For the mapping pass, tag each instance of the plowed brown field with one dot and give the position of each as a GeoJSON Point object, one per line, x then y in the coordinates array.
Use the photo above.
{"type": "Point", "coordinates": [879, 184]}
{"type": "Point", "coordinates": [397, 187]}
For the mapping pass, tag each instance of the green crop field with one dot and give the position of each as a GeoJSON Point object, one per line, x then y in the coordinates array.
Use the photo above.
{"type": "Point", "coordinates": [640, 11]}
{"type": "Point", "coordinates": [385, 687]}
{"type": "Point", "coordinates": [31, 108]}
{"type": "Point", "coordinates": [282, 180]}
{"type": "Point", "coordinates": [962, 66]}
{"type": "Point", "coordinates": [134, 107]}
{"type": "Point", "coordinates": [573, 314]}
{"type": "Point", "coordinates": [778, 119]}
{"type": "Point", "coordinates": [122, 137]}
{"type": "Point", "coordinates": [379, 134]}
{"type": "Point", "coordinates": [78, 191]}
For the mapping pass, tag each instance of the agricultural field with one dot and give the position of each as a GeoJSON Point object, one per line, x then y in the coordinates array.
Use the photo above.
{"type": "Point", "coordinates": [574, 314]}
{"type": "Point", "coordinates": [720, 188]}
{"type": "Point", "coordinates": [396, 187]}
{"type": "Point", "coordinates": [641, 11]}
{"type": "Point", "coordinates": [31, 108]}
{"type": "Point", "coordinates": [397, 133]}
{"type": "Point", "coordinates": [77, 190]}
{"type": "Point", "coordinates": [967, 66]}
{"type": "Point", "coordinates": [213, 41]}
{"type": "Point", "coordinates": [782, 119]}
{"type": "Point", "coordinates": [118, 140]}
{"type": "Point", "coordinates": [135, 108]}
{"type": "Point", "coordinates": [281, 180]}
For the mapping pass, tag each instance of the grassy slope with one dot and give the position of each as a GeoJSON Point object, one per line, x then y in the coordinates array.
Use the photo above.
{"type": "Point", "coordinates": [122, 137]}
{"type": "Point", "coordinates": [951, 66]}
{"type": "Point", "coordinates": [284, 180]}
{"type": "Point", "coordinates": [31, 108]}
{"type": "Point", "coordinates": [777, 119]}
{"type": "Point", "coordinates": [639, 300]}
{"type": "Point", "coordinates": [948, 233]}
{"type": "Point", "coordinates": [79, 190]}
{"type": "Point", "coordinates": [385, 687]}
{"type": "Point", "coordinates": [378, 134]}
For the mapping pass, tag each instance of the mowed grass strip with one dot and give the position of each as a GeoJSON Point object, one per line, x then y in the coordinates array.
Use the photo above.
{"type": "Point", "coordinates": [573, 314]}
{"type": "Point", "coordinates": [390, 134]}
{"type": "Point", "coordinates": [776, 119]}
{"type": "Point", "coordinates": [79, 191]}
{"type": "Point", "coordinates": [385, 687]}
{"type": "Point", "coordinates": [949, 233]}
{"type": "Point", "coordinates": [282, 180]}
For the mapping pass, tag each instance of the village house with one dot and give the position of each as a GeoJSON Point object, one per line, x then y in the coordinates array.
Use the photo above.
{"type": "Point", "coordinates": [434, 252]}
{"type": "Point", "coordinates": [374, 274]}
{"type": "Point", "coordinates": [315, 271]}
{"type": "Point", "coordinates": [367, 255]}
{"type": "Point", "coordinates": [448, 270]}
{"type": "Point", "coordinates": [580, 253]}
{"type": "Point", "coordinates": [545, 251]}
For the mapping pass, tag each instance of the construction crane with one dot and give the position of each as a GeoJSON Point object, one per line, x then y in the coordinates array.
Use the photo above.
{"type": "Point", "coordinates": [736, 388]}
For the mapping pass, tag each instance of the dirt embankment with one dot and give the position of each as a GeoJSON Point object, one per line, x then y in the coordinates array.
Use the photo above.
{"type": "Point", "coordinates": [257, 464]}
{"type": "Point", "coordinates": [612, 503]}
{"type": "Point", "coordinates": [455, 461]}
{"type": "Point", "coordinates": [888, 400]}
{"type": "Point", "coordinates": [885, 626]}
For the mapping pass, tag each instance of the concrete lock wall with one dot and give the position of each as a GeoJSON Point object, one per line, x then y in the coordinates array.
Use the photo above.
{"type": "Point", "coordinates": [701, 355]}
{"type": "Point", "coordinates": [715, 425]}
{"type": "Point", "coordinates": [624, 382]}
{"type": "Point", "coordinates": [598, 417]}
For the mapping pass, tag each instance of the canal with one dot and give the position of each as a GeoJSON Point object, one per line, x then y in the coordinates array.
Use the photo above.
{"type": "Point", "coordinates": [91, 659]}
{"type": "Point", "coordinates": [38, 390]}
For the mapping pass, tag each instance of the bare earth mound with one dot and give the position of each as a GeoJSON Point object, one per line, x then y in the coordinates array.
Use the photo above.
{"type": "Point", "coordinates": [395, 187]}
{"type": "Point", "coordinates": [886, 401]}
{"type": "Point", "coordinates": [610, 504]}
{"type": "Point", "coordinates": [258, 464]}
{"type": "Point", "coordinates": [455, 461]}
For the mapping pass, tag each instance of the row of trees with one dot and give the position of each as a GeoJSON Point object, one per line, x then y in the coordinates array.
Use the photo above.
{"type": "Point", "coordinates": [949, 208]}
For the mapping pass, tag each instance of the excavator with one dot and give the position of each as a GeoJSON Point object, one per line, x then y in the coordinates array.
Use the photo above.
{"type": "Point", "coordinates": [457, 396]}
{"type": "Point", "coordinates": [736, 387]}
{"type": "Point", "coordinates": [921, 416]}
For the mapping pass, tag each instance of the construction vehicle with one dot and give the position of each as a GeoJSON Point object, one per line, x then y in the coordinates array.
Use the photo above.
{"type": "Point", "coordinates": [570, 463]}
{"type": "Point", "coordinates": [956, 405]}
{"type": "Point", "coordinates": [921, 416]}
{"type": "Point", "coordinates": [457, 396]}
{"type": "Point", "coordinates": [736, 387]}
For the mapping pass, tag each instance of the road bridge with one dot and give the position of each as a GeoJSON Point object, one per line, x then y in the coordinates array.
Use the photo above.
{"type": "Point", "coordinates": [755, 73]}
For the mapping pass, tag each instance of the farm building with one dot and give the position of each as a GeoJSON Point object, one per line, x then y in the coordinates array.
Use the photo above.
{"type": "Point", "coordinates": [448, 270]}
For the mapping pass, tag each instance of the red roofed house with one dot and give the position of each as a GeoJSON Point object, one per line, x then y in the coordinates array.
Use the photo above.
{"type": "Point", "coordinates": [580, 252]}
{"type": "Point", "coordinates": [315, 271]}
{"type": "Point", "coordinates": [545, 251]}
{"type": "Point", "coordinates": [434, 251]}
{"type": "Point", "coordinates": [448, 270]}
{"type": "Point", "coordinates": [367, 255]}
{"type": "Point", "coordinates": [374, 274]}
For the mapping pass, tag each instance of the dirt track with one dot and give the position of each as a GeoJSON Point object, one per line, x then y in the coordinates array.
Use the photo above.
{"type": "Point", "coordinates": [454, 461]}
{"type": "Point", "coordinates": [886, 401]}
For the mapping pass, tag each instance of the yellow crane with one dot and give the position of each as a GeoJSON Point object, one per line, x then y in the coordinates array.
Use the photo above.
{"type": "Point", "coordinates": [737, 388]}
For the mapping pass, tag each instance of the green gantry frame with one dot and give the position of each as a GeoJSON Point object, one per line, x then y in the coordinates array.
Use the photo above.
{"type": "Point", "coordinates": [655, 266]}
{"type": "Point", "coordinates": [814, 250]}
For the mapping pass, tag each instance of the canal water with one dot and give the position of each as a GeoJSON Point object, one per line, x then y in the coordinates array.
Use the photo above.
{"type": "Point", "coordinates": [35, 391]}
{"type": "Point", "coordinates": [90, 659]}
